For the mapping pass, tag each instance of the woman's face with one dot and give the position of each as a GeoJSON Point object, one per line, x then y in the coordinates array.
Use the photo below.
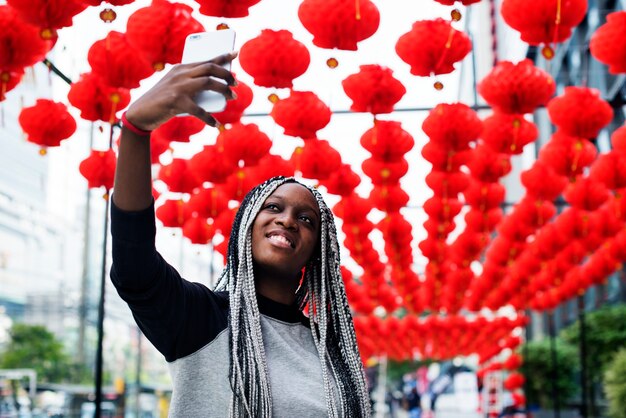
{"type": "Point", "coordinates": [285, 231]}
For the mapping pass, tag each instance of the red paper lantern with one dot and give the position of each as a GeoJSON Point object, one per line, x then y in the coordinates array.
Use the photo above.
{"type": "Point", "coordinates": [480, 221]}
{"type": "Point", "coordinates": [586, 194]}
{"type": "Point", "coordinates": [272, 166]}
{"type": "Point", "coordinates": [49, 15]}
{"type": "Point", "coordinates": [517, 88]}
{"type": "Point", "coordinates": [610, 169]}
{"type": "Point", "coordinates": [487, 165]}
{"type": "Point", "coordinates": [245, 143]}
{"type": "Point", "coordinates": [484, 196]}
{"type": "Point", "coordinates": [389, 198]}
{"type": "Point", "coordinates": [211, 164]}
{"type": "Point", "coordinates": [383, 172]}
{"type": "Point", "coordinates": [178, 177]}
{"type": "Point", "coordinates": [608, 43]}
{"type": "Point", "coordinates": [96, 100]}
{"type": "Point", "coordinates": [451, 2]}
{"type": "Point", "coordinates": [339, 24]}
{"type": "Point", "coordinates": [316, 160]}
{"type": "Point", "coordinates": [544, 21]}
{"type": "Point", "coordinates": [568, 155]}
{"type": "Point", "coordinates": [453, 125]}
{"type": "Point", "coordinates": [47, 123]}
{"type": "Point", "coordinates": [207, 202]}
{"type": "Point", "coordinates": [157, 147]}
{"type": "Point", "coordinates": [159, 31]}
{"type": "Point", "coordinates": [387, 140]}
{"type": "Point", "coordinates": [198, 230]}
{"type": "Point", "coordinates": [20, 44]}
{"type": "Point", "coordinates": [342, 182]}
{"type": "Point", "coordinates": [274, 58]}
{"type": "Point", "coordinates": [239, 183]}
{"type": "Point", "coordinates": [580, 111]}
{"type": "Point", "coordinates": [99, 168]}
{"type": "Point", "coordinates": [178, 128]}
{"type": "Point", "coordinates": [172, 213]}
{"type": "Point", "coordinates": [8, 81]}
{"type": "Point", "coordinates": [226, 8]}
{"type": "Point", "coordinates": [433, 47]}
{"type": "Point", "coordinates": [443, 159]}
{"type": "Point", "coordinates": [373, 89]}
{"type": "Point", "coordinates": [301, 114]}
{"type": "Point", "coordinates": [508, 134]}
{"type": "Point", "coordinates": [542, 182]}
{"type": "Point", "coordinates": [618, 139]}
{"type": "Point", "coordinates": [235, 108]}
{"type": "Point", "coordinates": [447, 185]}
{"type": "Point", "coordinates": [118, 64]}
{"type": "Point", "coordinates": [352, 209]}
{"type": "Point", "coordinates": [442, 209]}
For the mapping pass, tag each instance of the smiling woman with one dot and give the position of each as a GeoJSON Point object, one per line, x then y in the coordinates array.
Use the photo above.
{"type": "Point", "coordinates": [245, 349]}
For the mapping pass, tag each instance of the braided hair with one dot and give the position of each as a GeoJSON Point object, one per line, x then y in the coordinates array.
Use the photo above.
{"type": "Point", "coordinates": [322, 289]}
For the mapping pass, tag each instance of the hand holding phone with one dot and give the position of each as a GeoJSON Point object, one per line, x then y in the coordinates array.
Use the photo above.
{"type": "Point", "coordinates": [205, 46]}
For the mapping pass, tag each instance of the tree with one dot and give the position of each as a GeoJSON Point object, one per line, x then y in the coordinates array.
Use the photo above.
{"type": "Point", "coordinates": [605, 331]}
{"type": "Point", "coordinates": [34, 347]}
{"type": "Point", "coordinates": [615, 385]}
{"type": "Point", "coordinates": [538, 369]}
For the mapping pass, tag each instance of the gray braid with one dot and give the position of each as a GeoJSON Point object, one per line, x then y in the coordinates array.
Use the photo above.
{"type": "Point", "coordinates": [331, 321]}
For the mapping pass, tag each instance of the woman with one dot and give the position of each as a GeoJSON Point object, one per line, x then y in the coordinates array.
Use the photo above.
{"type": "Point", "coordinates": [245, 349]}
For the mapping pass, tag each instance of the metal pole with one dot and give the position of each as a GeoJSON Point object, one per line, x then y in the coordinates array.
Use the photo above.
{"type": "Point", "coordinates": [555, 365]}
{"type": "Point", "coordinates": [98, 400]}
{"type": "Point", "coordinates": [583, 356]}
{"type": "Point", "coordinates": [101, 314]}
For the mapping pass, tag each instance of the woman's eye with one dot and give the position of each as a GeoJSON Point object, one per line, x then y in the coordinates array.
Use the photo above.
{"type": "Point", "coordinates": [271, 206]}
{"type": "Point", "coordinates": [306, 219]}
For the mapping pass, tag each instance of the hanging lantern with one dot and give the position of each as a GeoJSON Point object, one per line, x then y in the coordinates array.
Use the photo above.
{"type": "Point", "coordinates": [433, 47]}
{"type": "Point", "coordinates": [172, 213]}
{"type": "Point", "coordinates": [389, 198]}
{"type": "Point", "coordinates": [211, 164]}
{"type": "Point", "coordinates": [244, 143]}
{"type": "Point", "coordinates": [239, 183]}
{"type": "Point", "coordinates": [316, 160]}
{"type": "Point", "coordinates": [542, 182]}
{"type": "Point", "coordinates": [545, 21]}
{"type": "Point", "coordinates": [118, 64]}
{"type": "Point", "coordinates": [517, 88]}
{"type": "Point", "coordinates": [451, 2]}
{"type": "Point", "coordinates": [447, 184]}
{"type": "Point", "coordinates": [235, 108]}
{"type": "Point", "coordinates": [610, 169]}
{"type": "Point", "coordinates": [586, 194]}
{"type": "Point", "coordinates": [49, 15]}
{"type": "Point", "coordinates": [442, 209]}
{"type": "Point", "coordinates": [618, 139]}
{"type": "Point", "coordinates": [385, 172]}
{"type": "Point", "coordinates": [608, 43]}
{"type": "Point", "coordinates": [580, 111]}
{"type": "Point", "coordinates": [178, 129]}
{"type": "Point", "coordinates": [484, 196]}
{"type": "Point", "coordinates": [453, 125]}
{"type": "Point", "coordinates": [387, 140]}
{"type": "Point", "coordinates": [487, 165]}
{"type": "Point", "coordinates": [274, 58]}
{"type": "Point", "coordinates": [301, 114]}
{"type": "Point", "coordinates": [157, 147]}
{"type": "Point", "coordinates": [47, 123]}
{"type": "Point", "coordinates": [342, 182]}
{"type": "Point", "coordinates": [96, 100]}
{"type": "Point", "coordinates": [352, 209]}
{"type": "Point", "coordinates": [508, 133]}
{"type": "Point", "coordinates": [443, 159]}
{"type": "Point", "coordinates": [226, 8]}
{"type": "Point", "coordinates": [20, 44]}
{"type": "Point", "coordinates": [207, 202]}
{"type": "Point", "coordinates": [178, 177]}
{"type": "Point", "coordinates": [339, 24]}
{"type": "Point", "coordinates": [159, 31]}
{"type": "Point", "coordinates": [8, 81]}
{"type": "Point", "coordinates": [99, 169]}
{"type": "Point", "coordinates": [272, 166]}
{"type": "Point", "coordinates": [480, 221]}
{"type": "Point", "coordinates": [198, 230]}
{"type": "Point", "coordinates": [568, 155]}
{"type": "Point", "coordinates": [373, 89]}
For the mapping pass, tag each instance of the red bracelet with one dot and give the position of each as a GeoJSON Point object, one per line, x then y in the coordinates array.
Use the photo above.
{"type": "Point", "coordinates": [133, 128]}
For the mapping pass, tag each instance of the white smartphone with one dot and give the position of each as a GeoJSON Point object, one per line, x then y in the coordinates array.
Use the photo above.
{"type": "Point", "coordinates": [205, 46]}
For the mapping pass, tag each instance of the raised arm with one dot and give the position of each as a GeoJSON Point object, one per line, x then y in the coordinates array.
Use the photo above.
{"type": "Point", "coordinates": [171, 96]}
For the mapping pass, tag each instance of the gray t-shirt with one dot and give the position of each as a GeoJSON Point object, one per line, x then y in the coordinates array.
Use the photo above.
{"type": "Point", "coordinates": [188, 324]}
